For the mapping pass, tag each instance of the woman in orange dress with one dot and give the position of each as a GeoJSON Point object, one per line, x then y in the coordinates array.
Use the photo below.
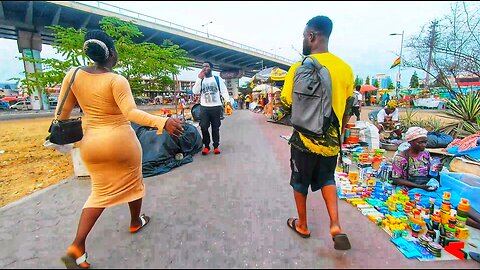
{"type": "Point", "coordinates": [109, 148]}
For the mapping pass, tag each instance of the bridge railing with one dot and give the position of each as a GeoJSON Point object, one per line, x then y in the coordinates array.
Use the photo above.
{"type": "Point", "coordinates": [139, 16]}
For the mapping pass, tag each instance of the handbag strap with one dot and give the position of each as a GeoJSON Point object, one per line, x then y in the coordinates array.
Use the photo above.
{"type": "Point", "coordinates": [66, 93]}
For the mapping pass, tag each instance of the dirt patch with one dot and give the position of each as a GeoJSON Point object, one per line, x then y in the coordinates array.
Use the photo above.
{"type": "Point", "coordinates": [26, 165]}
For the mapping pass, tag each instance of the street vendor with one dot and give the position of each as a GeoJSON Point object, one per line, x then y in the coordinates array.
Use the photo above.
{"type": "Point", "coordinates": [410, 168]}
{"type": "Point", "coordinates": [388, 119]}
{"type": "Point", "coordinates": [248, 100]}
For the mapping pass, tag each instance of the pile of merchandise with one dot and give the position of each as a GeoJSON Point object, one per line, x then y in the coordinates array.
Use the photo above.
{"type": "Point", "coordinates": [420, 227]}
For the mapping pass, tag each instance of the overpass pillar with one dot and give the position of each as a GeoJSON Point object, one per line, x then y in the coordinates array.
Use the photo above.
{"type": "Point", "coordinates": [232, 78]}
{"type": "Point", "coordinates": [30, 46]}
{"type": "Point", "coordinates": [232, 86]}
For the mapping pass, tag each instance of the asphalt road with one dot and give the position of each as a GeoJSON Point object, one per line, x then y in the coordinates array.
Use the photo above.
{"type": "Point", "coordinates": [30, 114]}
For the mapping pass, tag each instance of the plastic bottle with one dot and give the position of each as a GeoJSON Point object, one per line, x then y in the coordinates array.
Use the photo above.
{"type": "Point", "coordinates": [433, 167]}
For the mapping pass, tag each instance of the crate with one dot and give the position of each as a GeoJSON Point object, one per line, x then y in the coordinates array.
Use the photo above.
{"type": "Point", "coordinates": [464, 185]}
{"type": "Point", "coordinates": [354, 132]}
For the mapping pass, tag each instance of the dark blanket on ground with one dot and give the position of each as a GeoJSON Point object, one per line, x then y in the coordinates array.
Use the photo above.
{"type": "Point", "coordinates": [159, 151]}
{"type": "Point", "coordinates": [438, 140]}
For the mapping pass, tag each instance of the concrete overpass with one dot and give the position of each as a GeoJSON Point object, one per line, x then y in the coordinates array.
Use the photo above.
{"type": "Point", "coordinates": [20, 17]}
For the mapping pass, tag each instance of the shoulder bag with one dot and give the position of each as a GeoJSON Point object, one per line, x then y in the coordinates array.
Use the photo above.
{"type": "Point", "coordinates": [69, 130]}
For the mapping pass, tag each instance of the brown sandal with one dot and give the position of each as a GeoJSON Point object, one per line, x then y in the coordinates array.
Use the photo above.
{"type": "Point", "coordinates": [294, 228]}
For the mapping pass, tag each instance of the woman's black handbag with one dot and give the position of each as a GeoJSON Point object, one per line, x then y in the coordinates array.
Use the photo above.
{"type": "Point", "coordinates": [69, 130]}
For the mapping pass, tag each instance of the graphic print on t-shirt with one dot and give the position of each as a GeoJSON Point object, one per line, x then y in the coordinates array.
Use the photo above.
{"type": "Point", "coordinates": [211, 92]}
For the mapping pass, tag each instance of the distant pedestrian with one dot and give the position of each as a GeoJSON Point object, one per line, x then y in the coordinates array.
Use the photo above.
{"type": "Point", "coordinates": [357, 102]}
{"type": "Point", "coordinates": [240, 101]}
{"type": "Point", "coordinates": [248, 100]}
{"type": "Point", "coordinates": [367, 98]}
{"type": "Point", "coordinates": [211, 89]}
{"type": "Point", "coordinates": [385, 99]}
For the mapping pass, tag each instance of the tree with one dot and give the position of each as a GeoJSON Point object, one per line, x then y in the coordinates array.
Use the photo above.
{"type": "Point", "coordinates": [414, 80]}
{"type": "Point", "coordinates": [245, 88]}
{"type": "Point", "coordinates": [68, 42]}
{"type": "Point", "coordinates": [376, 83]}
{"type": "Point", "coordinates": [136, 61]}
{"type": "Point", "coordinates": [391, 86]}
{"type": "Point", "coordinates": [358, 81]}
{"type": "Point", "coordinates": [367, 81]}
{"type": "Point", "coordinates": [455, 45]}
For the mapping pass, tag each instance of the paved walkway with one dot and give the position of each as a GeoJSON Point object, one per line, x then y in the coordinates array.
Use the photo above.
{"type": "Point", "coordinates": [224, 211]}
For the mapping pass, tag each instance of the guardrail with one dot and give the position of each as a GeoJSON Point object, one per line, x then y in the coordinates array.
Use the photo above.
{"type": "Point", "coordinates": [147, 18]}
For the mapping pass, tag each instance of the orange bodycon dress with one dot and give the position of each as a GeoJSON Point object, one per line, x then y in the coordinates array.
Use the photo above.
{"type": "Point", "coordinates": [109, 148]}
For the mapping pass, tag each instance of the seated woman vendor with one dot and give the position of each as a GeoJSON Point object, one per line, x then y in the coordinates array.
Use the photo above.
{"type": "Point", "coordinates": [410, 168]}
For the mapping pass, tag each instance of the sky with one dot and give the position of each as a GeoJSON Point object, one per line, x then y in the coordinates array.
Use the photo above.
{"type": "Point", "coordinates": [360, 33]}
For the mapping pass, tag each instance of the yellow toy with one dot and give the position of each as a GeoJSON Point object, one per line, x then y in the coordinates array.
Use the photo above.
{"type": "Point", "coordinates": [228, 110]}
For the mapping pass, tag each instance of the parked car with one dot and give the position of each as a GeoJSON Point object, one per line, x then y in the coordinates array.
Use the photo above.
{"type": "Point", "coordinates": [4, 105]}
{"type": "Point", "coordinates": [53, 104]}
{"type": "Point", "coordinates": [22, 105]}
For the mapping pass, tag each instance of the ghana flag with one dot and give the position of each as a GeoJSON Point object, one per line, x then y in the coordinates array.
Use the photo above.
{"type": "Point", "coordinates": [396, 63]}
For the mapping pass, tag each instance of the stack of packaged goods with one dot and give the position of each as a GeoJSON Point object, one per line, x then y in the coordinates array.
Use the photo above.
{"type": "Point", "coordinates": [403, 216]}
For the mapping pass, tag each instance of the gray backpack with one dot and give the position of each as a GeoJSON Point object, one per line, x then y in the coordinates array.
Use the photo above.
{"type": "Point", "coordinates": [312, 112]}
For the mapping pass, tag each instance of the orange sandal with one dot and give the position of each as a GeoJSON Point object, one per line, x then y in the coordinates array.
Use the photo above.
{"type": "Point", "coordinates": [144, 219]}
{"type": "Point", "coordinates": [73, 259]}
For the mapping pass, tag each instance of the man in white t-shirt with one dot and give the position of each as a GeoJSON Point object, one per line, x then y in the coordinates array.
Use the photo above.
{"type": "Point", "coordinates": [211, 89]}
{"type": "Point", "coordinates": [357, 102]}
{"type": "Point", "coordinates": [388, 119]}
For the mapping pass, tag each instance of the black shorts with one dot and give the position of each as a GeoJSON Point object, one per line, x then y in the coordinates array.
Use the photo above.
{"type": "Point", "coordinates": [355, 111]}
{"type": "Point", "coordinates": [311, 170]}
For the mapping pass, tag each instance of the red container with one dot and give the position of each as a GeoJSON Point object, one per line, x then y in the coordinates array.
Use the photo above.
{"type": "Point", "coordinates": [352, 140]}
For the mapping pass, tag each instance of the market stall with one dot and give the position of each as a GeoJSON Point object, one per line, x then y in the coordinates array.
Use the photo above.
{"type": "Point", "coordinates": [267, 94]}
{"type": "Point", "coordinates": [423, 225]}
{"type": "Point", "coordinates": [429, 103]}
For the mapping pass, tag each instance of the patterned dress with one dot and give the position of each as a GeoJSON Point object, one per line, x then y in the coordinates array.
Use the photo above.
{"type": "Point", "coordinates": [418, 167]}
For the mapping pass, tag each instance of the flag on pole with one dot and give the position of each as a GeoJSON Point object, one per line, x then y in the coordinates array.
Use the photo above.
{"type": "Point", "coordinates": [396, 63]}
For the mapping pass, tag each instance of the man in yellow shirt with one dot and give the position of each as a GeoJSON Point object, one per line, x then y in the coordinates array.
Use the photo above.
{"type": "Point", "coordinates": [313, 160]}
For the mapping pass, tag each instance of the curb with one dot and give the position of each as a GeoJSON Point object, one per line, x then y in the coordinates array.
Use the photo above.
{"type": "Point", "coordinates": [35, 194]}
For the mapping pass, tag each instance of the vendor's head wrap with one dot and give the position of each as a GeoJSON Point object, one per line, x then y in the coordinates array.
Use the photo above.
{"type": "Point", "coordinates": [392, 104]}
{"type": "Point", "coordinates": [415, 133]}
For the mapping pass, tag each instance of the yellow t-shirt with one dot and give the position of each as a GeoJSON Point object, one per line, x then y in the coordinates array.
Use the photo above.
{"type": "Point", "coordinates": [342, 88]}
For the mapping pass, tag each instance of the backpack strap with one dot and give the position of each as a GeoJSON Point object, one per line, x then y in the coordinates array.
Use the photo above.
{"type": "Point", "coordinates": [218, 82]}
{"type": "Point", "coordinates": [219, 91]}
{"type": "Point", "coordinates": [216, 79]}
{"type": "Point", "coordinates": [314, 60]}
